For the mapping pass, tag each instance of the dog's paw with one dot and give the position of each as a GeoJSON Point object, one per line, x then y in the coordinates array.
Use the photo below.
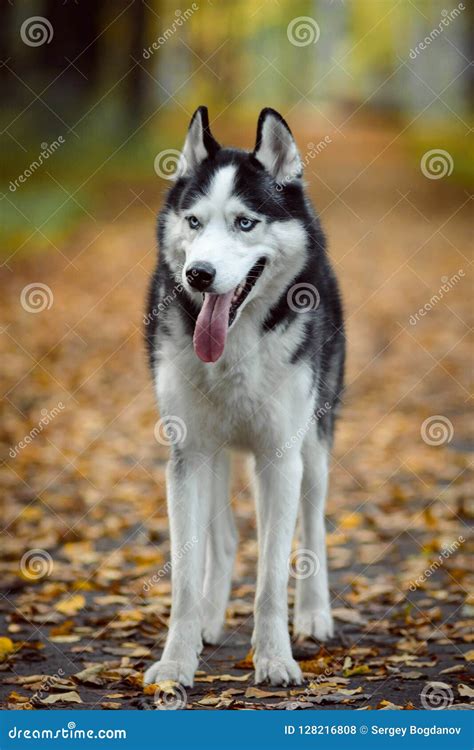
{"type": "Point", "coordinates": [316, 624]}
{"type": "Point", "coordinates": [277, 671]}
{"type": "Point", "coordinates": [212, 631]}
{"type": "Point", "coordinates": [176, 671]}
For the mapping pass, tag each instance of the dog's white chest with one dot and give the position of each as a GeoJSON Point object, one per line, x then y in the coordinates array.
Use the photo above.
{"type": "Point", "coordinates": [245, 399]}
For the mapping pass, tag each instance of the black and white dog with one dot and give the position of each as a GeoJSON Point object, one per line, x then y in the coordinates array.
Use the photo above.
{"type": "Point", "coordinates": [246, 342]}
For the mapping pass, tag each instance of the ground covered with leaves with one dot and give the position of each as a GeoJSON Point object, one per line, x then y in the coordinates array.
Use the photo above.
{"type": "Point", "coordinates": [85, 593]}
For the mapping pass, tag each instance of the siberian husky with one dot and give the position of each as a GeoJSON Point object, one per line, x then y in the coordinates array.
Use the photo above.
{"type": "Point", "coordinates": [246, 341]}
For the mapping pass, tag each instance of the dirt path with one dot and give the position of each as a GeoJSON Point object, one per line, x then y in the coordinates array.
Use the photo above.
{"type": "Point", "coordinates": [84, 501]}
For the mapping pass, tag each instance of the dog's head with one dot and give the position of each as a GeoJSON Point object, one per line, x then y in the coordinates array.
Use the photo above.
{"type": "Point", "coordinates": [232, 215]}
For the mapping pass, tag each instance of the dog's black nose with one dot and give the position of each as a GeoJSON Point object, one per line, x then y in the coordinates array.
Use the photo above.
{"type": "Point", "coordinates": [201, 275]}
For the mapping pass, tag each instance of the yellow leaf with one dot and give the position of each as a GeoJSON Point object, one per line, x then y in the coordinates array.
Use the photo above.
{"type": "Point", "coordinates": [350, 521]}
{"type": "Point", "coordinates": [167, 686]}
{"type": "Point", "coordinates": [246, 662]}
{"type": "Point", "coordinates": [6, 648]}
{"type": "Point", "coordinates": [388, 705]}
{"type": "Point", "coordinates": [361, 669]}
{"type": "Point", "coordinates": [71, 605]}
{"type": "Point", "coordinates": [15, 697]}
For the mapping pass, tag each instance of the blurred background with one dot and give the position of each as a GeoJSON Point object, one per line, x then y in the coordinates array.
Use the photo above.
{"type": "Point", "coordinates": [118, 81]}
{"type": "Point", "coordinates": [96, 101]}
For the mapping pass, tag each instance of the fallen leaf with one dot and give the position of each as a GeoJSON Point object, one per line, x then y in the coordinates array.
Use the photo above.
{"type": "Point", "coordinates": [72, 605]}
{"type": "Point", "coordinates": [90, 675]}
{"type": "Point", "coordinates": [209, 700]}
{"type": "Point", "coordinates": [230, 693]}
{"type": "Point", "coordinates": [136, 652]}
{"type": "Point", "coordinates": [346, 614]}
{"type": "Point", "coordinates": [64, 628]}
{"type": "Point", "coordinates": [351, 520]}
{"type": "Point", "coordinates": [360, 669]}
{"type": "Point", "coordinates": [65, 638]}
{"type": "Point", "coordinates": [15, 697]}
{"type": "Point", "coordinates": [223, 678]}
{"type": "Point", "coordinates": [385, 705]}
{"type": "Point", "coordinates": [255, 692]}
{"type": "Point", "coordinates": [71, 697]}
{"type": "Point", "coordinates": [246, 662]}
{"type": "Point", "coordinates": [7, 647]}
{"type": "Point", "coordinates": [168, 687]}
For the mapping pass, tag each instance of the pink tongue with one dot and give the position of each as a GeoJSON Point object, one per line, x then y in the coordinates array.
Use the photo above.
{"type": "Point", "coordinates": [211, 326]}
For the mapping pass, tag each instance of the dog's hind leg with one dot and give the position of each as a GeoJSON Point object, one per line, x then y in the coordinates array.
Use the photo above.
{"type": "Point", "coordinates": [189, 479]}
{"type": "Point", "coordinates": [312, 605]}
{"type": "Point", "coordinates": [220, 554]}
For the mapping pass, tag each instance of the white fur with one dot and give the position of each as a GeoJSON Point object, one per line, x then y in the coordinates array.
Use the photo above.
{"type": "Point", "coordinates": [252, 398]}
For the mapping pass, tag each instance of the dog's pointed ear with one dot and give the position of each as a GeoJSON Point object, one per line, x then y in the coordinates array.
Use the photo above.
{"type": "Point", "coordinates": [199, 143]}
{"type": "Point", "coordinates": [275, 147]}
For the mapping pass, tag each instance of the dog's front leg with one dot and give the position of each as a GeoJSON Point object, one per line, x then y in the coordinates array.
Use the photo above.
{"type": "Point", "coordinates": [278, 494]}
{"type": "Point", "coordinates": [188, 480]}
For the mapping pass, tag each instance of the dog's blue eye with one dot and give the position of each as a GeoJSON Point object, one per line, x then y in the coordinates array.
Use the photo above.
{"type": "Point", "coordinates": [246, 224]}
{"type": "Point", "coordinates": [193, 222]}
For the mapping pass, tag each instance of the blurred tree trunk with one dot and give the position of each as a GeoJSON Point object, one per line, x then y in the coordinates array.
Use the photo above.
{"type": "Point", "coordinates": [72, 53]}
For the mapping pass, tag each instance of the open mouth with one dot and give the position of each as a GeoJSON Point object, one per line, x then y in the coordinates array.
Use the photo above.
{"type": "Point", "coordinates": [244, 289]}
{"type": "Point", "coordinates": [217, 314]}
